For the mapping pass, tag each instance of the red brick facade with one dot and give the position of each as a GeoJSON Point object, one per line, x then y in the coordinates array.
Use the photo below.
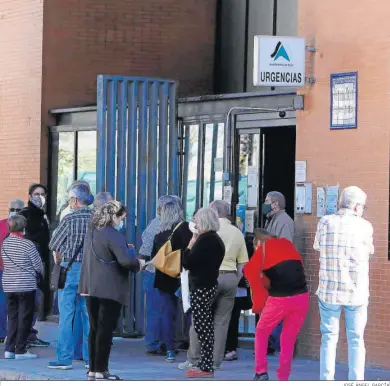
{"type": "Point", "coordinates": [53, 50]}
{"type": "Point", "coordinates": [349, 37]}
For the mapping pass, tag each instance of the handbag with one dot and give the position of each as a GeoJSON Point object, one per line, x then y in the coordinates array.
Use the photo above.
{"type": "Point", "coordinates": [166, 260]}
{"type": "Point", "coordinates": [37, 275]}
{"type": "Point", "coordinates": [59, 273]}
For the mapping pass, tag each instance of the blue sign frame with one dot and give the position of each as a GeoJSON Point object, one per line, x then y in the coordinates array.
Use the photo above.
{"type": "Point", "coordinates": [343, 78]}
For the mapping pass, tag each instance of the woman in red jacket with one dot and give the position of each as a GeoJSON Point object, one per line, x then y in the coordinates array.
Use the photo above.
{"type": "Point", "coordinates": [278, 283]}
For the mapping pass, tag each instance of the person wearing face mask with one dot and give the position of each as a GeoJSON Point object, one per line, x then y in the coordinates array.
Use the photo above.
{"type": "Point", "coordinates": [105, 282]}
{"type": "Point", "coordinates": [280, 224]}
{"type": "Point", "coordinates": [68, 240]}
{"type": "Point", "coordinates": [277, 278]}
{"type": "Point", "coordinates": [14, 207]}
{"type": "Point", "coordinates": [278, 221]}
{"type": "Point", "coordinates": [37, 231]}
{"type": "Point", "coordinates": [345, 243]}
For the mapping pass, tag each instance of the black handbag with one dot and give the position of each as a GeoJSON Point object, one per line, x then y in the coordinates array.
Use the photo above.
{"type": "Point", "coordinates": [58, 274]}
{"type": "Point", "coordinates": [37, 275]}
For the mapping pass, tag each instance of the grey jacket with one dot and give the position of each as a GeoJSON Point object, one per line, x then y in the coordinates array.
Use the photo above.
{"type": "Point", "coordinates": [106, 265]}
{"type": "Point", "coordinates": [281, 225]}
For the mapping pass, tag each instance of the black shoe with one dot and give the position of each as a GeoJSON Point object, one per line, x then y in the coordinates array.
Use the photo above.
{"type": "Point", "coordinates": [158, 352]}
{"type": "Point", "coordinates": [261, 377]}
{"type": "Point", "coordinates": [37, 343]}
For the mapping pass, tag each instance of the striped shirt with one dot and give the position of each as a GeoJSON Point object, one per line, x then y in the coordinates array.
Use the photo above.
{"type": "Point", "coordinates": [345, 243]}
{"type": "Point", "coordinates": [70, 234]}
{"type": "Point", "coordinates": [20, 274]}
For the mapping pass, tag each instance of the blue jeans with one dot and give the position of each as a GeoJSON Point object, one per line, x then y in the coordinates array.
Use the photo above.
{"type": "Point", "coordinates": [168, 319]}
{"type": "Point", "coordinates": [3, 310]}
{"type": "Point", "coordinates": [153, 311]}
{"type": "Point", "coordinates": [78, 334]}
{"type": "Point", "coordinates": [355, 323]}
{"type": "Point", "coordinates": [69, 301]}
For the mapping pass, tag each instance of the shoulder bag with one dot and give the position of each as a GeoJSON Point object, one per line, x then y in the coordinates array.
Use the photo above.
{"type": "Point", "coordinates": [37, 275]}
{"type": "Point", "coordinates": [58, 274]}
{"type": "Point", "coordinates": [166, 260]}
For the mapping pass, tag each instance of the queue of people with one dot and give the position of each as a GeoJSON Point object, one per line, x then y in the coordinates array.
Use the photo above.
{"type": "Point", "coordinates": [223, 279]}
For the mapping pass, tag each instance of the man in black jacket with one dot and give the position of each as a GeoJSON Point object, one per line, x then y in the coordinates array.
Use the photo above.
{"type": "Point", "coordinates": [37, 231]}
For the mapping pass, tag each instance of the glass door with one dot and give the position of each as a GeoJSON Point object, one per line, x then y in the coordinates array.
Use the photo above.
{"type": "Point", "coordinates": [203, 165]}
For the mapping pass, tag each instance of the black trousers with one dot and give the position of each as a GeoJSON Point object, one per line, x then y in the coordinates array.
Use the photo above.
{"type": "Point", "coordinates": [20, 310]}
{"type": "Point", "coordinates": [103, 318]}
{"type": "Point", "coordinates": [232, 336]}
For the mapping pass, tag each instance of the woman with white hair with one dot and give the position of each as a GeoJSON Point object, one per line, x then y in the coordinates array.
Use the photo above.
{"type": "Point", "coordinates": [173, 226]}
{"type": "Point", "coordinates": [202, 259]}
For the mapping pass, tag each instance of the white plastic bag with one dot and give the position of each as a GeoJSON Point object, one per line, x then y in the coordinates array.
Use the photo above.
{"type": "Point", "coordinates": [185, 290]}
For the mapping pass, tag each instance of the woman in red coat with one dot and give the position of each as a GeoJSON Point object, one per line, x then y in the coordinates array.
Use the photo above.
{"type": "Point", "coordinates": [279, 290]}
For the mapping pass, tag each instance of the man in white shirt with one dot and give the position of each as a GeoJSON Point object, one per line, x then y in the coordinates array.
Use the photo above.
{"type": "Point", "coordinates": [345, 243]}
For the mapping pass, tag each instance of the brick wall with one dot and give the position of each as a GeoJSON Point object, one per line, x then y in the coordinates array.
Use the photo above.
{"type": "Point", "coordinates": [20, 96]}
{"type": "Point", "coordinates": [172, 39]}
{"type": "Point", "coordinates": [157, 38]}
{"type": "Point", "coordinates": [349, 39]}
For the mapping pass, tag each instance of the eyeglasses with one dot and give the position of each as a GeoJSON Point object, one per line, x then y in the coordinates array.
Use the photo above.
{"type": "Point", "coordinates": [13, 210]}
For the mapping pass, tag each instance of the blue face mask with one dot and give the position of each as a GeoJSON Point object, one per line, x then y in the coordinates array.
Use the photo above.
{"type": "Point", "coordinates": [120, 226]}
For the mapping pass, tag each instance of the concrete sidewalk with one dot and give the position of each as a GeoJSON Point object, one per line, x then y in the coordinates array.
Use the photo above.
{"type": "Point", "coordinates": [129, 361]}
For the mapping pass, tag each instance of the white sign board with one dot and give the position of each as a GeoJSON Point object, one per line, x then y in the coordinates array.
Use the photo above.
{"type": "Point", "coordinates": [279, 61]}
{"type": "Point", "coordinates": [300, 171]}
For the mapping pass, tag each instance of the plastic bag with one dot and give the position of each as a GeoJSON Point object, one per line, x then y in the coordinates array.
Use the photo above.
{"type": "Point", "coordinates": [185, 290]}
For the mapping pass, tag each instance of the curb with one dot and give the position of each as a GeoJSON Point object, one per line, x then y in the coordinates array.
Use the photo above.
{"type": "Point", "coordinates": [17, 376]}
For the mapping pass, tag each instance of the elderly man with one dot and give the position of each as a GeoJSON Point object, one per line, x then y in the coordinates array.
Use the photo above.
{"type": "Point", "coordinates": [68, 240]}
{"type": "Point", "coordinates": [279, 223]}
{"type": "Point", "coordinates": [345, 243]}
{"type": "Point", "coordinates": [152, 307]}
{"type": "Point", "coordinates": [14, 207]}
{"type": "Point", "coordinates": [230, 273]}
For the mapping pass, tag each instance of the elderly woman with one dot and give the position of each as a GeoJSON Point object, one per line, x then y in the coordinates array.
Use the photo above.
{"type": "Point", "coordinates": [22, 265]}
{"type": "Point", "coordinates": [173, 226]}
{"type": "Point", "coordinates": [202, 259]}
{"type": "Point", "coordinates": [153, 331]}
{"type": "Point", "coordinates": [105, 280]}
{"type": "Point", "coordinates": [278, 282]}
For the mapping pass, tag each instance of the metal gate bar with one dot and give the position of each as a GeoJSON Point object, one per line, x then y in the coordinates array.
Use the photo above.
{"type": "Point", "coordinates": [137, 144]}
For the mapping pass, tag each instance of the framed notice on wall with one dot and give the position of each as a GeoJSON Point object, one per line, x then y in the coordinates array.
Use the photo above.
{"type": "Point", "coordinates": [343, 100]}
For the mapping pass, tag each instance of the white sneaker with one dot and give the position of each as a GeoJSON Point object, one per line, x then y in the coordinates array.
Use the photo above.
{"type": "Point", "coordinates": [27, 355]}
{"type": "Point", "coordinates": [187, 365]}
{"type": "Point", "coordinates": [9, 355]}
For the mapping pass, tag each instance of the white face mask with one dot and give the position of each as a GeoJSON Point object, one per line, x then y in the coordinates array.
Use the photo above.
{"type": "Point", "coordinates": [192, 227]}
{"type": "Point", "coordinates": [43, 200]}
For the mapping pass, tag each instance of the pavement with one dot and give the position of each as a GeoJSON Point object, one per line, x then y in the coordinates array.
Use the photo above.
{"type": "Point", "coordinates": [129, 361]}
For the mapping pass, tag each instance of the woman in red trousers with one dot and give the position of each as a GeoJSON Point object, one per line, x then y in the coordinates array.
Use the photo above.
{"type": "Point", "coordinates": [279, 289]}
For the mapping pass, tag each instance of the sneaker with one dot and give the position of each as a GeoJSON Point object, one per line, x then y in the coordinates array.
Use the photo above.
{"type": "Point", "coordinates": [37, 343]}
{"type": "Point", "coordinates": [55, 365]}
{"type": "Point", "coordinates": [187, 365]}
{"type": "Point", "coordinates": [170, 356]}
{"type": "Point", "coordinates": [230, 356]}
{"type": "Point", "coordinates": [26, 355]}
{"type": "Point", "coordinates": [261, 377]}
{"type": "Point", "coordinates": [197, 373]}
{"type": "Point", "coordinates": [9, 355]}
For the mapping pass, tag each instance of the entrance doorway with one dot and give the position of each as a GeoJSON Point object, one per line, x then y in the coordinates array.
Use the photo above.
{"type": "Point", "coordinates": [264, 162]}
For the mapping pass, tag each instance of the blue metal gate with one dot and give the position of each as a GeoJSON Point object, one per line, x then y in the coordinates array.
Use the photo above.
{"type": "Point", "coordinates": [137, 158]}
